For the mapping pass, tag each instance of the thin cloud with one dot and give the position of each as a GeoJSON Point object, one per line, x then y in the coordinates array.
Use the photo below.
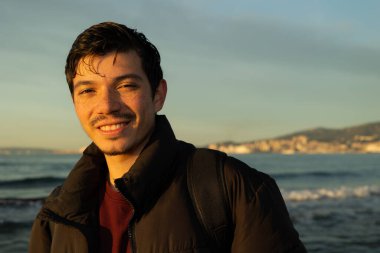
{"type": "Point", "coordinates": [262, 41]}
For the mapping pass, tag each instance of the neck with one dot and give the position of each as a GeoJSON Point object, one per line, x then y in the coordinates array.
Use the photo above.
{"type": "Point", "coordinates": [119, 165]}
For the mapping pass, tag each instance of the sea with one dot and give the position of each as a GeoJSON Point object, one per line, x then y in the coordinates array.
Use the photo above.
{"type": "Point", "coordinates": [333, 199]}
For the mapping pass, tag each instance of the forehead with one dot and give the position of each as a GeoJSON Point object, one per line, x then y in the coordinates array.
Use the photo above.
{"type": "Point", "coordinates": [110, 65]}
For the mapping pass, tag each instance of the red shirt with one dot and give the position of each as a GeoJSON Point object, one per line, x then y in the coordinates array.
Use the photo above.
{"type": "Point", "coordinates": [115, 213]}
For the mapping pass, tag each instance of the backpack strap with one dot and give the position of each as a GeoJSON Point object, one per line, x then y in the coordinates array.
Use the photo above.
{"type": "Point", "coordinates": [207, 190]}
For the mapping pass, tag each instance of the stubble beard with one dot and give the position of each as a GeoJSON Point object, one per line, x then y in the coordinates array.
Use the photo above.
{"type": "Point", "coordinates": [116, 151]}
{"type": "Point", "coordinates": [127, 149]}
{"type": "Point", "coordinates": [129, 116]}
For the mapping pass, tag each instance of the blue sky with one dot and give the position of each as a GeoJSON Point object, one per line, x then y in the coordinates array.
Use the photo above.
{"type": "Point", "coordinates": [236, 70]}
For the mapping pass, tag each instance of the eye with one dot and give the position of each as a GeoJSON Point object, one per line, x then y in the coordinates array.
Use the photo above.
{"type": "Point", "coordinates": [128, 86]}
{"type": "Point", "coordinates": [86, 91]}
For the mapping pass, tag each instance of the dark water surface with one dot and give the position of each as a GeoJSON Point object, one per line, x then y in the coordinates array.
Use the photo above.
{"type": "Point", "coordinates": [334, 200]}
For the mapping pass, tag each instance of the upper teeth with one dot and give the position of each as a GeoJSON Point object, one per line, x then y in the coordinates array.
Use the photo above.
{"type": "Point", "coordinates": [111, 127]}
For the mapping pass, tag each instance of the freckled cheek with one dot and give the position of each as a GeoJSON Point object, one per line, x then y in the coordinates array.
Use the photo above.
{"type": "Point", "coordinates": [83, 113]}
{"type": "Point", "coordinates": [136, 102]}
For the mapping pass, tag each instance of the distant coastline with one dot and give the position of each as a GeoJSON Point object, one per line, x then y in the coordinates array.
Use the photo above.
{"type": "Point", "coordinates": [357, 139]}
{"type": "Point", "coordinates": [38, 151]}
{"type": "Point", "coordinates": [360, 139]}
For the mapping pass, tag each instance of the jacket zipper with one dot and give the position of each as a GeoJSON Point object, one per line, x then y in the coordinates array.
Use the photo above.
{"type": "Point", "coordinates": [131, 235]}
{"type": "Point", "coordinates": [130, 231]}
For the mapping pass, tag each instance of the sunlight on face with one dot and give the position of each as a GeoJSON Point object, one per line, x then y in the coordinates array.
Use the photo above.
{"type": "Point", "coordinates": [113, 101]}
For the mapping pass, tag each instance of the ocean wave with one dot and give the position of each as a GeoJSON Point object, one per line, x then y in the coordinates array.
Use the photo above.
{"type": "Point", "coordinates": [30, 182]}
{"type": "Point", "coordinates": [21, 201]}
{"type": "Point", "coordinates": [335, 193]}
{"type": "Point", "coordinates": [315, 174]}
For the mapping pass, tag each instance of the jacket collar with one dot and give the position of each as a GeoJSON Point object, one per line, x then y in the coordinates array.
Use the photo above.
{"type": "Point", "coordinates": [142, 185]}
{"type": "Point", "coordinates": [153, 169]}
{"type": "Point", "coordinates": [78, 195]}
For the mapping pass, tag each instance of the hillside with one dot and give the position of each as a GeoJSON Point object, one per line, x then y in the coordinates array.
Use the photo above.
{"type": "Point", "coordinates": [366, 132]}
{"type": "Point", "coordinates": [357, 139]}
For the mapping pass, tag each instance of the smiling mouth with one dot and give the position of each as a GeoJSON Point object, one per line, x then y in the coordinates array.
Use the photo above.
{"type": "Point", "coordinates": [113, 127]}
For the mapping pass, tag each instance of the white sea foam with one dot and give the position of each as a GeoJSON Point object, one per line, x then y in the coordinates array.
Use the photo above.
{"type": "Point", "coordinates": [334, 193]}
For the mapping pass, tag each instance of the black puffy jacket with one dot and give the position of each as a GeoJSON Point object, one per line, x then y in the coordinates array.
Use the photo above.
{"type": "Point", "coordinates": [164, 219]}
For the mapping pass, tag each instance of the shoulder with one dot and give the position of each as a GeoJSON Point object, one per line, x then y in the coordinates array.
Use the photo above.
{"type": "Point", "coordinates": [246, 184]}
{"type": "Point", "coordinates": [55, 193]}
{"type": "Point", "coordinates": [233, 170]}
{"type": "Point", "coordinates": [237, 170]}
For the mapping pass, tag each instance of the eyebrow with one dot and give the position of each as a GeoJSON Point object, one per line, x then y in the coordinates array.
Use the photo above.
{"type": "Point", "coordinates": [115, 80]}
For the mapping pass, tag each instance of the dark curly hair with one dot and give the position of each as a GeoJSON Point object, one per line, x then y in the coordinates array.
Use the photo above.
{"type": "Point", "coordinates": [106, 37]}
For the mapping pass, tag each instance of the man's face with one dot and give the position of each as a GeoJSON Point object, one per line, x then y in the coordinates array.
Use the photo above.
{"type": "Point", "coordinates": [114, 102]}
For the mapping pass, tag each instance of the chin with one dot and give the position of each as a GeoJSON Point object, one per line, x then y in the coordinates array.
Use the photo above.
{"type": "Point", "coordinates": [114, 149]}
{"type": "Point", "coordinates": [113, 152]}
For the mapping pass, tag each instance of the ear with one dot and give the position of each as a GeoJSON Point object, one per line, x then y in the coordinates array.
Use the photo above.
{"type": "Point", "coordinates": [160, 95]}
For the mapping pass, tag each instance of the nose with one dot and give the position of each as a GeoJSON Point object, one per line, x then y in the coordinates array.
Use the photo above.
{"type": "Point", "coordinates": [109, 102]}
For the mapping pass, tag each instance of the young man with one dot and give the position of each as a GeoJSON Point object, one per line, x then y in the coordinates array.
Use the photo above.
{"type": "Point", "coordinates": [130, 191]}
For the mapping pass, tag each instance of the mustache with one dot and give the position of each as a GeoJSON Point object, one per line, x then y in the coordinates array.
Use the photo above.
{"type": "Point", "coordinates": [119, 116]}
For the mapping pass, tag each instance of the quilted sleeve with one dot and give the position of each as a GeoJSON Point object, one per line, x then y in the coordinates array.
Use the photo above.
{"type": "Point", "coordinates": [259, 214]}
